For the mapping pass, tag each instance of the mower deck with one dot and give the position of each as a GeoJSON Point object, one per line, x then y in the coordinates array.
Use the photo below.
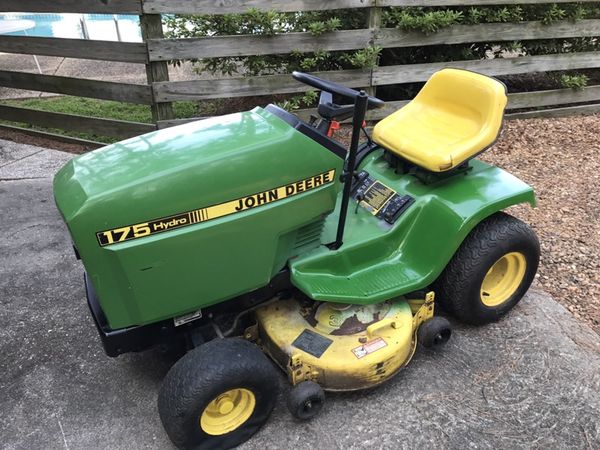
{"type": "Point", "coordinates": [341, 347]}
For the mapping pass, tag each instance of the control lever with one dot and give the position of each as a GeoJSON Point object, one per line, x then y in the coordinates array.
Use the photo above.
{"type": "Point", "coordinates": [359, 198]}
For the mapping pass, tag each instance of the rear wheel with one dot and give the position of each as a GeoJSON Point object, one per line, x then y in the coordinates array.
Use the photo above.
{"type": "Point", "coordinates": [218, 395]}
{"type": "Point", "coordinates": [491, 271]}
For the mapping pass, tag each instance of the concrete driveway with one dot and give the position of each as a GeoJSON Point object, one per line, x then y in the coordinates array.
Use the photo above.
{"type": "Point", "coordinates": [530, 381]}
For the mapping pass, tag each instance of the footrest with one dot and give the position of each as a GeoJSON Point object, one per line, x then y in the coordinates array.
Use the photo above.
{"type": "Point", "coordinates": [375, 283]}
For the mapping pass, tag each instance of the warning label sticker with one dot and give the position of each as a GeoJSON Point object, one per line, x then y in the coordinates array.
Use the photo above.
{"type": "Point", "coordinates": [368, 348]}
{"type": "Point", "coordinates": [377, 196]}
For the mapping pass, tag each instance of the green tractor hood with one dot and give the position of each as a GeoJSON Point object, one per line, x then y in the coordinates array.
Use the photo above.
{"type": "Point", "coordinates": [166, 223]}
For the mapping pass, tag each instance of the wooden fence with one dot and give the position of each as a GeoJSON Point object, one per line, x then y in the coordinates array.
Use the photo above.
{"type": "Point", "coordinates": [155, 51]}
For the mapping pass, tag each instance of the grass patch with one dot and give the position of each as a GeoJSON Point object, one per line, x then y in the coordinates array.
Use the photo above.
{"type": "Point", "coordinates": [105, 109]}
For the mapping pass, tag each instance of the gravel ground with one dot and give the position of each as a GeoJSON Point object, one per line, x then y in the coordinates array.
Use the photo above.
{"type": "Point", "coordinates": [560, 158]}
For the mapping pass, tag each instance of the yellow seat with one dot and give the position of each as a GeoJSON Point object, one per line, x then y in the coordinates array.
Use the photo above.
{"type": "Point", "coordinates": [456, 115]}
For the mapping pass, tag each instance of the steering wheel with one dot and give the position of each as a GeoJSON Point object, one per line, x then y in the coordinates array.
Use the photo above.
{"type": "Point", "coordinates": [328, 86]}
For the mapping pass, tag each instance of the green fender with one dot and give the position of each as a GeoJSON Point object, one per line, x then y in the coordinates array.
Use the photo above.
{"type": "Point", "coordinates": [379, 261]}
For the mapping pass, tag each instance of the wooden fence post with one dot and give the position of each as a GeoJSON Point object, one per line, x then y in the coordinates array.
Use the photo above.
{"type": "Point", "coordinates": [374, 16]}
{"type": "Point", "coordinates": [151, 25]}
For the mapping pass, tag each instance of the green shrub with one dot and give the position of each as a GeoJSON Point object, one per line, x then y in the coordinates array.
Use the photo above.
{"type": "Point", "coordinates": [421, 19]}
{"type": "Point", "coordinates": [299, 101]}
{"type": "Point", "coordinates": [426, 20]}
{"type": "Point", "coordinates": [255, 22]}
{"type": "Point", "coordinates": [576, 81]}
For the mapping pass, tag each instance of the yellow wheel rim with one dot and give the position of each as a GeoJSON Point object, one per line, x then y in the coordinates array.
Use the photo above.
{"type": "Point", "coordinates": [503, 279]}
{"type": "Point", "coordinates": [227, 412]}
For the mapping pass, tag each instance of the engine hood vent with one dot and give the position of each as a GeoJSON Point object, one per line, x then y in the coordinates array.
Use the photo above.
{"type": "Point", "coordinates": [309, 236]}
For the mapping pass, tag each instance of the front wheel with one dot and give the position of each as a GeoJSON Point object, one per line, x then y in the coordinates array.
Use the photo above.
{"type": "Point", "coordinates": [218, 395]}
{"type": "Point", "coordinates": [491, 271]}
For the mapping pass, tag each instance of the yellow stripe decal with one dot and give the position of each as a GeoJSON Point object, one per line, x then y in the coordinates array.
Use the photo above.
{"type": "Point", "coordinates": [126, 233]}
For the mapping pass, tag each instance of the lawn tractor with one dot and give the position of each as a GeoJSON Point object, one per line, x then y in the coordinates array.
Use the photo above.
{"type": "Point", "coordinates": [257, 237]}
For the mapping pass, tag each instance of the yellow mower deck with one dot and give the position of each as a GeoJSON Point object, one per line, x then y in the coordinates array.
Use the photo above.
{"type": "Point", "coordinates": [342, 347]}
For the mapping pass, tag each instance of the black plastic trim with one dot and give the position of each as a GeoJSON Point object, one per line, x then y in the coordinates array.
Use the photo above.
{"type": "Point", "coordinates": [125, 340]}
{"type": "Point", "coordinates": [365, 150]}
{"type": "Point", "coordinates": [142, 337]}
{"type": "Point", "coordinates": [308, 131]}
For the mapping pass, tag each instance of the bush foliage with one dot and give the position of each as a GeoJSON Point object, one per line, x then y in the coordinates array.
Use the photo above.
{"type": "Point", "coordinates": [426, 20]}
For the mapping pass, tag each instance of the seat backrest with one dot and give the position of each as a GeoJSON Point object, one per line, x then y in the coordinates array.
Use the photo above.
{"type": "Point", "coordinates": [477, 96]}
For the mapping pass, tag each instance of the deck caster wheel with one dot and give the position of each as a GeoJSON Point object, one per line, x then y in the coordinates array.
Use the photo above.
{"type": "Point", "coordinates": [306, 400]}
{"type": "Point", "coordinates": [218, 395]}
{"type": "Point", "coordinates": [434, 332]}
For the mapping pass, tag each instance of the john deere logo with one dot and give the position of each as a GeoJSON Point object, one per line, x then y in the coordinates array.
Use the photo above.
{"type": "Point", "coordinates": [285, 191]}
{"type": "Point", "coordinates": [176, 221]}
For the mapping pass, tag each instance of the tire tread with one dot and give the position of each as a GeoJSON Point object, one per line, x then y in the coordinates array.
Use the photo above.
{"type": "Point", "coordinates": [486, 238]}
{"type": "Point", "coordinates": [200, 374]}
